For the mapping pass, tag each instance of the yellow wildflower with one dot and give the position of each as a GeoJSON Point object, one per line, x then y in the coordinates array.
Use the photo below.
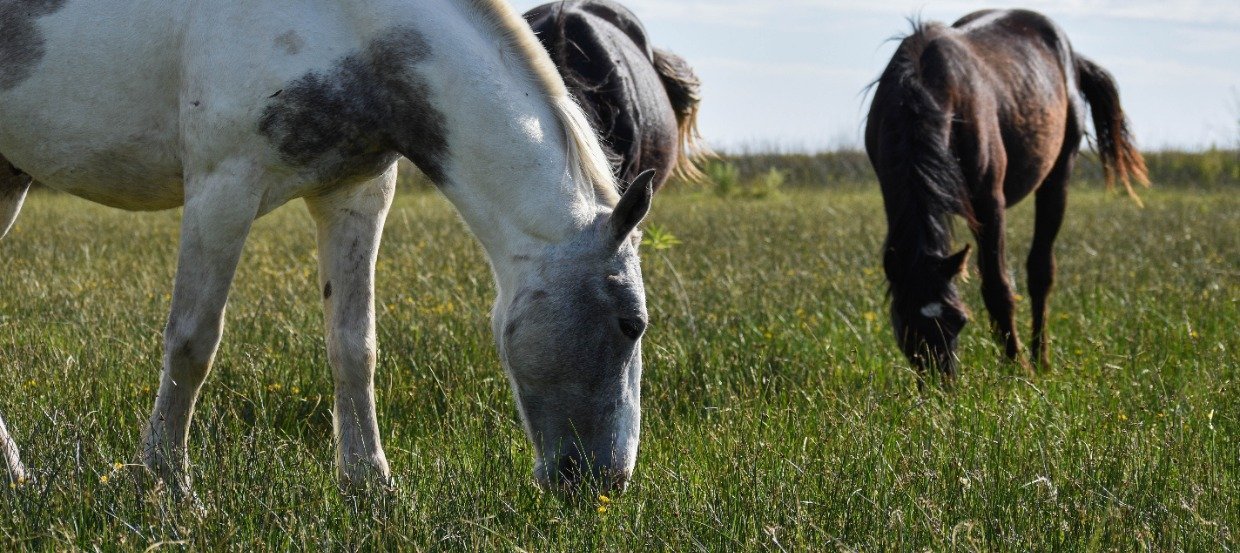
{"type": "Point", "coordinates": [103, 479]}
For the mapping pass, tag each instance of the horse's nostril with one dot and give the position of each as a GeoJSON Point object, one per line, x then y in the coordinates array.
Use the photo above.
{"type": "Point", "coordinates": [618, 482]}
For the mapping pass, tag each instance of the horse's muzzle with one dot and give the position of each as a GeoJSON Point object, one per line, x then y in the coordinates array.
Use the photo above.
{"type": "Point", "coordinates": [575, 472]}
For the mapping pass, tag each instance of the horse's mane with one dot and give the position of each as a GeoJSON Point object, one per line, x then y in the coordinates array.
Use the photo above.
{"type": "Point", "coordinates": [924, 184]}
{"type": "Point", "coordinates": [588, 165]}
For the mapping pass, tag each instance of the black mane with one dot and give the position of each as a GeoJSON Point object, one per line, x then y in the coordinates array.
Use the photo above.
{"type": "Point", "coordinates": [920, 176]}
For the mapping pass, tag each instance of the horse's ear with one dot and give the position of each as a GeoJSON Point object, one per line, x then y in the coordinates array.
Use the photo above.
{"type": "Point", "coordinates": [632, 208]}
{"type": "Point", "coordinates": [958, 263]}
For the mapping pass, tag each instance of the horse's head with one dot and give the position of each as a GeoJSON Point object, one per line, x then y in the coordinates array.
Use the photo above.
{"type": "Point", "coordinates": [926, 312]}
{"type": "Point", "coordinates": [570, 340]}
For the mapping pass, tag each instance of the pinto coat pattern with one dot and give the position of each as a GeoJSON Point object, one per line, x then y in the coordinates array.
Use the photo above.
{"type": "Point", "coordinates": [233, 109]}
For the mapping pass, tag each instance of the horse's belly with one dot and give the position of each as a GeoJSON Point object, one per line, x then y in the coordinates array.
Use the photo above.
{"type": "Point", "coordinates": [120, 167]}
{"type": "Point", "coordinates": [94, 110]}
{"type": "Point", "coordinates": [133, 184]}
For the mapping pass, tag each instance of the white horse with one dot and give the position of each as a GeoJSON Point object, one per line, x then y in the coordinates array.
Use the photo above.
{"type": "Point", "coordinates": [232, 109]}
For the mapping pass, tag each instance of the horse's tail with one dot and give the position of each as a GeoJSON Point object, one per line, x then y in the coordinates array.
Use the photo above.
{"type": "Point", "coordinates": [1120, 158]}
{"type": "Point", "coordinates": [684, 89]}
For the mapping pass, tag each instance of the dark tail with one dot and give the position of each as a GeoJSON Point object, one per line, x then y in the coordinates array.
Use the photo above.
{"type": "Point", "coordinates": [684, 89]}
{"type": "Point", "coordinates": [1120, 158]}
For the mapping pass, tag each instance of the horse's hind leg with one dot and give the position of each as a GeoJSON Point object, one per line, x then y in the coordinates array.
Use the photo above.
{"type": "Point", "coordinates": [1052, 198]}
{"type": "Point", "coordinates": [350, 223]}
{"type": "Point", "coordinates": [219, 210]}
{"type": "Point", "coordinates": [13, 187]}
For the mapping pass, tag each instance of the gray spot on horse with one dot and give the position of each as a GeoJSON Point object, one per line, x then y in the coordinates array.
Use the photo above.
{"type": "Point", "coordinates": [21, 43]}
{"type": "Point", "coordinates": [358, 115]}
{"type": "Point", "coordinates": [291, 42]}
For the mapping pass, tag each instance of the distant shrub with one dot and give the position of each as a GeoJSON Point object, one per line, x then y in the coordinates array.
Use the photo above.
{"type": "Point", "coordinates": [768, 184]}
{"type": "Point", "coordinates": [1207, 169]}
{"type": "Point", "coordinates": [724, 175]}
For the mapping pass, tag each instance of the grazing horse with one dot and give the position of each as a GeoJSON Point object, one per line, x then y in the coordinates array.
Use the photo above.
{"type": "Point", "coordinates": [968, 120]}
{"type": "Point", "coordinates": [643, 101]}
{"type": "Point", "coordinates": [233, 109]}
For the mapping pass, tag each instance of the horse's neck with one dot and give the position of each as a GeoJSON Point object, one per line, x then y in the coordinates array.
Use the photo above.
{"type": "Point", "coordinates": [506, 166]}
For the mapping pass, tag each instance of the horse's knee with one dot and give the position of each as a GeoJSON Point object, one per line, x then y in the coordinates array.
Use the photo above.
{"type": "Point", "coordinates": [998, 294]}
{"type": "Point", "coordinates": [352, 353]}
{"type": "Point", "coordinates": [1041, 271]}
{"type": "Point", "coordinates": [189, 349]}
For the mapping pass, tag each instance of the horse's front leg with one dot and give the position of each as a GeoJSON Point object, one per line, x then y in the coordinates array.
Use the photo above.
{"type": "Point", "coordinates": [996, 288]}
{"type": "Point", "coordinates": [219, 210]}
{"type": "Point", "coordinates": [350, 223]}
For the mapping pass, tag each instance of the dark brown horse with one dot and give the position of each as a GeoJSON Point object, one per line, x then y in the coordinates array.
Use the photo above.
{"type": "Point", "coordinates": [643, 101]}
{"type": "Point", "coordinates": [968, 120]}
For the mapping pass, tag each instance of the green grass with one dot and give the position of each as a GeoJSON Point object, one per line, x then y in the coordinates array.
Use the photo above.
{"type": "Point", "coordinates": [778, 413]}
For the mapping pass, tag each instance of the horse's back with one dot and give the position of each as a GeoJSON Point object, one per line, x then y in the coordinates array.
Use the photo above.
{"type": "Point", "coordinates": [1019, 43]}
{"type": "Point", "coordinates": [119, 101]}
{"type": "Point", "coordinates": [603, 54]}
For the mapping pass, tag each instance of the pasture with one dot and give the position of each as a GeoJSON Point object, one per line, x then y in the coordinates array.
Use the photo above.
{"type": "Point", "coordinates": [778, 413]}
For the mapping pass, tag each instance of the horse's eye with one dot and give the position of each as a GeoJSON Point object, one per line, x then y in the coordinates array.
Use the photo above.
{"type": "Point", "coordinates": [632, 328]}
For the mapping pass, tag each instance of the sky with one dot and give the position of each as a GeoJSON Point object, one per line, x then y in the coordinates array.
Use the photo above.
{"type": "Point", "coordinates": [790, 74]}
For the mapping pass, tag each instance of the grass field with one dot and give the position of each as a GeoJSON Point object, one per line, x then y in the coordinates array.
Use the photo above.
{"type": "Point", "coordinates": [778, 413]}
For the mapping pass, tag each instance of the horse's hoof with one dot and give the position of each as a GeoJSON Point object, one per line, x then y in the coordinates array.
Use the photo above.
{"type": "Point", "coordinates": [155, 475]}
{"type": "Point", "coordinates": [365, 478]}
{"type": "Point", "coordinates": [20, 478]}
{"type": "Point", "coordinates": [374, 483]}
{"type": "Point", "coordinates": [1023, 365]}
